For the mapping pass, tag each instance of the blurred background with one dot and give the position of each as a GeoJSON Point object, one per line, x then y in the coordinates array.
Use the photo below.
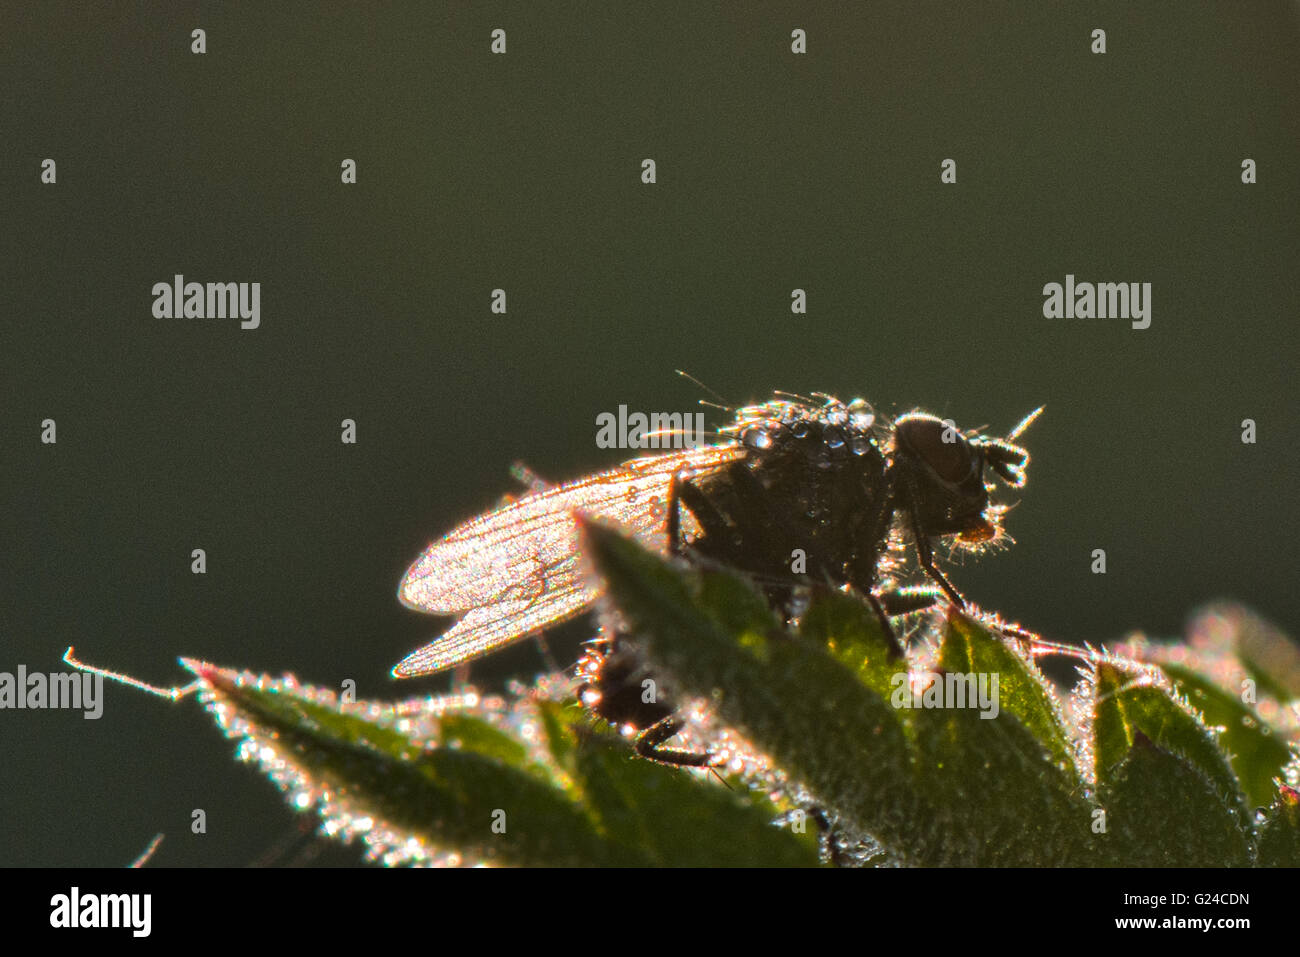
{"type": "Point", "coordinates": [522, 171]}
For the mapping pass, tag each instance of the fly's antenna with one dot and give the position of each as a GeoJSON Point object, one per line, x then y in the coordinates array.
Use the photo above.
{"type": "Point", "coordinates": [724, 408]}
{"type": "Point", "coordinates": [1025, 423]}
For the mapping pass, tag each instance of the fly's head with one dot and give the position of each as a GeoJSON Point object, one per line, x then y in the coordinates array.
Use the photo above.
{"type": "Point", "coordinates": [941, 476]}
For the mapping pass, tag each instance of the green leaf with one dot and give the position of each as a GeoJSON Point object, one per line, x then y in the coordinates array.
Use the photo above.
{"type": "Point", "coordinates": [367, 778]}
{"type": "Point", "coordinates": [1004, 773]}
{"type": "Point", "coordinates": [1024, 692]}
{"type": "Point", "coordinates": [678, 820]}
{"type": "Point", "coordinates": [1161, 811]}
{"type": "Point", "coordinates": [1279, 839]}
{"type": "Point", "coordinates": [1170, 796]}
{"type": "Point", "coordinates": [1257, 753]}
{"type": "Point", "coordinates": [784, 692]}
{"type": "Point", "coordinates": [440, 782]}
{"type": "Point", "coordinates": [935, 787]}
{"type": "Point", "coordinates": [1267, 654]}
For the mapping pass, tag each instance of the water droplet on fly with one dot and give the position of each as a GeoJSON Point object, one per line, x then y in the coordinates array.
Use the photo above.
{"type": "Point", "coordinates": [862, 420]}
{"type": "Point", "coordinates": [757, 439]}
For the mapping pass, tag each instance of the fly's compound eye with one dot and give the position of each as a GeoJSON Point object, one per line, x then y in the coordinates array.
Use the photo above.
{"type": "Point", "coordinates": [939, 445]}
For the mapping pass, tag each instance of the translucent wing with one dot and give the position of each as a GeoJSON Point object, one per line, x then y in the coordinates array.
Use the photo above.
{"type": "Point", "coordinates": [515, 570]}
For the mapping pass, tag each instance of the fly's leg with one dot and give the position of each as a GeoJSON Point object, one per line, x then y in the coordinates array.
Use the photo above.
{"type": "Point", "coordinates": [649, 742]}
{"type": "Point", "coordinates": [926, 557]}
{"type": "Point", "coordinates": [675, 486]}
{"type": "Point", "coordinates": [648, 745]}
{"type": "Point", "coordinates": [711, 521]}
{"type": "Point", "coordinates": [897, 602]}
{"type": "Point", "coordinates": [904, 601]}
{"type": "Point", "coordinates": [863, 572]}
{"type": "Point", "coordinates": [830, 848]}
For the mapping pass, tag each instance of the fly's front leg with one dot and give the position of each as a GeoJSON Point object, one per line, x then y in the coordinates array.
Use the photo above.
{"type": "Point", "coordinates": [926, 557]}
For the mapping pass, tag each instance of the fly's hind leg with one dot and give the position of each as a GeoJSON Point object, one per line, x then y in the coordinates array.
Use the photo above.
{"type": "Point", "coordinates": [649, 743]}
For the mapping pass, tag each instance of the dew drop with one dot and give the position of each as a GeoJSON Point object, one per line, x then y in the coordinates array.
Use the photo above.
{"type": "Point", "coordinates": [759, 439]}
{"type": "Point", "coordinates": [862, 420]}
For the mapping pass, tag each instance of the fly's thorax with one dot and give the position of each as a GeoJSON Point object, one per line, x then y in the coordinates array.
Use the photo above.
{"type": "Point", "coordinates": [809, 500]}
{"type": "Point", "coordinates": [820, 438]}
{"type": "Point", "coordinates": [818, 463]}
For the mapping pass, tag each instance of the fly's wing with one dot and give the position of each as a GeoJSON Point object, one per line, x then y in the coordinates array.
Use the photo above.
{"type": "Point", "coordinates": [510, 572]}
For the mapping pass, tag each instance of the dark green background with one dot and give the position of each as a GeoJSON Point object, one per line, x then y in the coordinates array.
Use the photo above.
{"type": "Point", "coordinates": [522, 171]}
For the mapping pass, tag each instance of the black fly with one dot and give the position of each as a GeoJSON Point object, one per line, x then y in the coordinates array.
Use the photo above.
{"type": "Point", "coordinates": [798, 493]}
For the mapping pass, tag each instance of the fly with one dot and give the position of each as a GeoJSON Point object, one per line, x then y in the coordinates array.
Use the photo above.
{"type": "Point", "coordinates": [827, 481]}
